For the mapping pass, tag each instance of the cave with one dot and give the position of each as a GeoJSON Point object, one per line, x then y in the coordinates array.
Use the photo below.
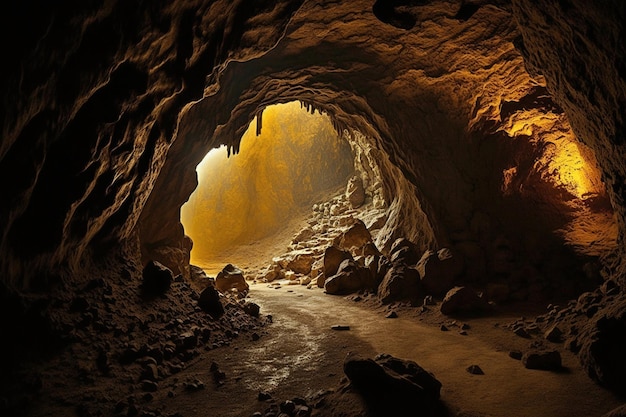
{"type": "Point", "coordinates": [464, 212]}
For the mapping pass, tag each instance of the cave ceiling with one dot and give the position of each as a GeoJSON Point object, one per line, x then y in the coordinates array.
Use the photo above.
{"type": "Point", "coordinates": [109, 108]}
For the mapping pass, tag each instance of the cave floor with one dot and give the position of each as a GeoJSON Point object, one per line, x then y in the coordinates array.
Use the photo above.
{"type": "Point", "coordinates": [299, 355]}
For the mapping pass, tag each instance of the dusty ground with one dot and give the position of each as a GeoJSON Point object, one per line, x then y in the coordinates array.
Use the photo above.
{"type": "Point", "coordinates": [299, 355]}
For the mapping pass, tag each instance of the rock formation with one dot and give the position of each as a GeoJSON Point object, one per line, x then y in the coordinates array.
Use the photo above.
{"type": "Point", "coordinates": [493, 128]}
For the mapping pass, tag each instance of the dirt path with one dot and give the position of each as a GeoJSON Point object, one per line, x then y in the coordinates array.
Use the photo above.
{"type": "Point", "coordinates": [299, 354]}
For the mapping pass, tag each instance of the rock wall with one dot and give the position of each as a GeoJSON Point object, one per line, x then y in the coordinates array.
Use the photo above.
{"type": "Point", "coordinates": [580, 48]}
{"type": "Point", "coordinates": [110, 108]}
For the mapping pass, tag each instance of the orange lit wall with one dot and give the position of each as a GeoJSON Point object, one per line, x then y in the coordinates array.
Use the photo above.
{"type": "Point", "coordinates": [297, 158]}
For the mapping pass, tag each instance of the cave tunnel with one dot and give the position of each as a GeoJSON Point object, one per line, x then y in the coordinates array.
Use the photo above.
{"type": "Point", "coordinates": [454, 165]}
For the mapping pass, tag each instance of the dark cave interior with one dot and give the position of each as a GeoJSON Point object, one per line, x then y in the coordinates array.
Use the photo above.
{"type": "Point", "coordinates": [487, 137]}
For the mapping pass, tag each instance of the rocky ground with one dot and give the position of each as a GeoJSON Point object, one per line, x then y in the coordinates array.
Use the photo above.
{"type": "Point", "coordinates": [316, 331]}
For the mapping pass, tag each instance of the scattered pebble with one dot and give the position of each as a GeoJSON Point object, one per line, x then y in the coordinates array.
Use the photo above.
{"type": "Point", "coordinates": [475, 370]}
{"type": "Point", "coordinates": [340, 327]}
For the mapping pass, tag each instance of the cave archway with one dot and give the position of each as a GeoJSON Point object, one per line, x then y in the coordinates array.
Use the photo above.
{"type": "Point", "coordinates": [471, 112]}
{"type": "Point", "coordinates": [290, 162]}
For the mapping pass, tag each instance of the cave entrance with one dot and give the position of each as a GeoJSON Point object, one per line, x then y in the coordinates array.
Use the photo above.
{"type": "Point", "coordinates": [249, 205]}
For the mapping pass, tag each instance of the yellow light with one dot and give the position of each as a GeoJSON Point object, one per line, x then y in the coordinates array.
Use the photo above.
{"type": "Point", "coordinates": [254, 193]}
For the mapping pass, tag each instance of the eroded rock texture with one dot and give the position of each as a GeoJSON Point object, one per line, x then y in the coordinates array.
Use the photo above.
{"type": "Point", "coordinates": [108, 108]}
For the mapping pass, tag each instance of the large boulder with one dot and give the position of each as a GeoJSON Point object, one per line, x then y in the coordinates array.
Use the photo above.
{"type": "Point", "coordinates": [157, 278]}
{"type": "Point", "coordinates": [301, 263]}
{"type": "Point", "coordinates": [357, 236]}
{"type": "Point", "coordinates": [603, 347]}
{"type": "Point", "coordinates": [404, 251]}
{"type": "Point", "coordinates": [350, 277]}
{"type": "Point", "coordinates": [439, 270]}
{"type": "Point", "coordinates": [463, 300]}
{"type": "Point", "coordinates": [392, 386]}
{"type": "Point", "coordinates": [333, 257]}
{"type": "Point", "coordinates": [355, 192]}
{"type": "Point", "coordinates": [400, 283]}
{"type": "Point", "coordinates": [229, 278]}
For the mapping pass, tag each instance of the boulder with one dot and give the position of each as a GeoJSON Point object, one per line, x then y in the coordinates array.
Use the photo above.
{"type": "Point", "coordinates": [157, 278]}
{"type": "Point", "coordinates": [210, 302]}
{"type": "Point", "coordinates": [333, 257]}
{"type": "Point", "coordinates": [373, 279]}
{"type": "Point", "coordinates": [355, 192]}
{"type": "Point", "coordinates": [603, 343]}
{"type": "Point", "coordinates": [462, 300]}
{"type": "Point", "coordinates": [370, 249]}
{"type": "Point", "coordinates": [231, 277]}
{"type": "Point", "coordinates": [392, 386]}
{"type": "Point", "coordinates": [301, 263]}
{"type": "Point", "coordinates": [404, 251]}
{"type": "Point", "coordinates": [357, 236]}
{"type": "Point", "coordinates": [350, 277]}
{"type": "Point", "coordinates": [545, 360]}
{"type": "Point", "coordinates": [400, 283]}
{"type": "Point", "coordinates": [439, 270]}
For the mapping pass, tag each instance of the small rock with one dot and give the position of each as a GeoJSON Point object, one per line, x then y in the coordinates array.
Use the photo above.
{"type": "Point", "coordinates": [264, 396]}
{"type": "Point", "coordinates": [392, 315]}
{"type": "Point", "coordinates": [521, 332]}
{"type": "Point", "coordinates": [252, 309]}
{"type": "Point", "coordinates": [255, 337]}
{"type": "Point", "coordinates": [544, 360]}
{"type": "Point", "coordinates": [515, 354]}
{"type": "Point", "coordinates": [157, 278]}
{"type": "Point", "coordinates": [443, 328]}
{"type": "Point", "coordinates": [554, 334]}
{"type": "Point", "coordinates": [287, 407]}
{"type": "Point", "coordinates": [149, 386]}
{"type": "Point", "coordinates": [475, 370]}
{"type": "Point", "coordinates": [340, 327]}
{"type": "Point", "coordinates": [209, 302]}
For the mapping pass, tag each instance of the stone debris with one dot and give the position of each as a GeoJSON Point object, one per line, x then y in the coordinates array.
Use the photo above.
{"type": "Point", "coordinates": [340, 327]}
{"type": "Point", "coordinates": [157, 279]}
{"type": "Point", "coordinates": [543, 360]}
{"type": "Point", "coordinates": [393, 386]}
{"type": "Point", "coordinates": [475, 370]}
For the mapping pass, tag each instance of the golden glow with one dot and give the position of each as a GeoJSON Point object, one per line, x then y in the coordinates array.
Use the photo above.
{"type": "Point", "coordinates": [253, 194]}
{"type": "Point", "coordinates": [563, 161]}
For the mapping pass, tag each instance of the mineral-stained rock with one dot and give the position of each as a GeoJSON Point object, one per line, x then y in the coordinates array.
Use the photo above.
{"type": "Point", "coordinates": [392, 386]}
{"type": "Point", "coordinates": [355, 193]}
{"type": "Point", "coordinates": [231, 277]}
{"type": "Point", "coordinates": [462, 300]}
{"type": "Point", "coordinates": [333, 257]}
{"type": "Point", "coordinates": [157, 278]}
{"type": "Point", "coordinates": [400, 283]}
{"type": "Point", "coordinates": [209, 301]}
{"type": "Point", "coordinates": [544, 360]}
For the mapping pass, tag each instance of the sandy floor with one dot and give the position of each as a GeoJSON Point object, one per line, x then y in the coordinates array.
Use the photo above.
{"type": "Point", "coordinates": [299, 355]}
